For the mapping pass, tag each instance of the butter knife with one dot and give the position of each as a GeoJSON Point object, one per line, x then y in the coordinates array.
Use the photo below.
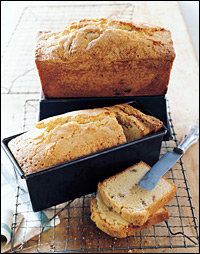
{"type": "Point", "coordinates": [167, 161]}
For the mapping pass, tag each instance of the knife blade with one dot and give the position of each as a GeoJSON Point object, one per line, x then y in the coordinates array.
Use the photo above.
{"type": "Point", "coordinates": [167, 161]}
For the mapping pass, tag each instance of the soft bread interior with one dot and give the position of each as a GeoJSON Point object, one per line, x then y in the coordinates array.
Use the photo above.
{"type": "Point", "coordinates": [122, 193]}
{"type": "Point", "coordinates": [131, 130]}
{"type": "Point", "coordinates": [150, 122]}
{"type": "Point", "coordinates": [133, 127]}
{"type": "Point", "coordinates": [114, 225]}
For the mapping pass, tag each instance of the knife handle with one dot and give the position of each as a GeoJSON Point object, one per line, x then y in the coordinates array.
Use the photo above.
{"type": "Point", "coordinates": [190, 138]}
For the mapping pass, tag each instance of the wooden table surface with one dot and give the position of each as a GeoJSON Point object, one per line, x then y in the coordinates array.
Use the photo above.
{"type": "Point", "coordinates": [182, 94]}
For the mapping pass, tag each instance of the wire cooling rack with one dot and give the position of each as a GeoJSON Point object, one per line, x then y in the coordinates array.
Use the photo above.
{"type": "Point", "coordinates": [77, 233]}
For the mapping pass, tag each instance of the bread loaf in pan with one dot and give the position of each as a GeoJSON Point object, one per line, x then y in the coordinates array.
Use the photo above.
{"type": "Point", "coordinates": [51, 184]}
{"type": "Point", "coordinates": [69, 136]}
{"type": "Point", "coordinates": [101, 57]}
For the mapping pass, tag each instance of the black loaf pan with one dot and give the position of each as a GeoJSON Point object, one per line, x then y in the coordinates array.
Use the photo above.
{"type": "Point", "coordinates": [79, 177]}
{"type": "Point", "coordinates": [157, 105]}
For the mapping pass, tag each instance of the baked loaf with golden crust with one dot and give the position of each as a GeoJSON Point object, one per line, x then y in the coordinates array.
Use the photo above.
{"type": "Point", "coordinates": [75, 134]}
{"type": "Point", "coordinates": [66, 137]}
{"type": "Point", "coordinates": [101, 57]}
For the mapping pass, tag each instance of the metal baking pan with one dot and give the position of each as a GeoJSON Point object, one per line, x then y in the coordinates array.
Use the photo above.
{"type": "Point", "coordinates": [154, 104]}
{"type": "Point", "coordinates": [79, 177]}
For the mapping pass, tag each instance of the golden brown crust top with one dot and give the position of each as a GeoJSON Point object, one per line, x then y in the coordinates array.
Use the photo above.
{"type": "Point", "coordinates": [60, 139]}
{"type": "Point", "coordinates": [105, 40]}
{"type": "Point", "coordinates": [69, 136]}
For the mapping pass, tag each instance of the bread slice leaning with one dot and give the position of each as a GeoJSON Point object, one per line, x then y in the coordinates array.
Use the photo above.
{"type": "Point", "coordinates": [122, 194]}
{"type": "Point", "coordinates": [114, 225]}
{"type": "Point", "coordinates": [135, 124]}
{"type": "Point", "coordinates": [151, 122]}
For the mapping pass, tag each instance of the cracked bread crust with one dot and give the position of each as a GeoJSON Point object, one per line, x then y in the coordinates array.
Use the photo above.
{"type": "Point", "coordinates": [120, 228]}
{"type": "Point", "coordinates": [66, 137]}
{"type": "Point", "coordinates": [100, 57]}
{"type": "Point", "coordinates": [121, 193]}
{"type": "Point", "coordinates": [70, 136]}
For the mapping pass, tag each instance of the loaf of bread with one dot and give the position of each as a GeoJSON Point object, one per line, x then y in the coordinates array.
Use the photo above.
{"type": "Point", "coordinates": [72, 135]}
{"type": "Point", "coordinates": [101, 57]}
{"type": "Point", "coordinates": [114, 225]}
{"type": "Point", "coordinates": [122, 194]}
{"type": "Point", "coordinates": [65, 137]}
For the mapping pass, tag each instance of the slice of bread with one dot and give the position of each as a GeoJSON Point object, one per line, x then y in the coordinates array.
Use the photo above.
{"type": "Point", "coordinates": [114, 225]}
{"type": "Point", "coordinates": [135, 124]}
{"type": "Point", "coordinates": [122, 194]}
{"type": "Point", "coordinates": [151, 122]}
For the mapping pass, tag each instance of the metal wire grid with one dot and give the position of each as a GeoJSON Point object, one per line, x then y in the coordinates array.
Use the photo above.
{"type": "Point", "coordinates": [77, 233]}
{"type": "Point", "coordinates": [18, 68]}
